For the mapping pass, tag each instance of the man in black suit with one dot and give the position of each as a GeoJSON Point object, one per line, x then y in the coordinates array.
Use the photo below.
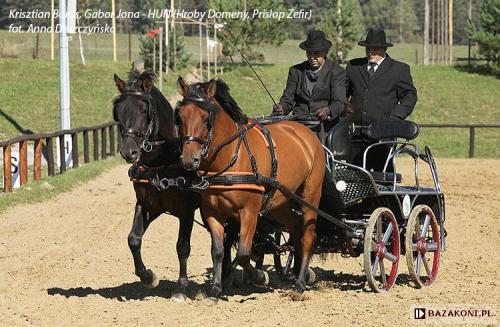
{"type": "Point", "coordinates": [315, 89]}
{"type": "Point", "coordinates": [379, 88]}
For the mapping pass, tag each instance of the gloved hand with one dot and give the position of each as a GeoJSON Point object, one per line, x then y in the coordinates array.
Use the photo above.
{"type": "Point", "coordinates": [348, 109]}
{"type": "Point", "coordinates": [323, 113]}
{"type": "Point", "coordinates": [278, 110]}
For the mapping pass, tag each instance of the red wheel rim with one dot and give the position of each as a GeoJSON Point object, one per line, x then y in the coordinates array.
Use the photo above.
{"type": "Point", "coordinates": [385, 248]}
{"type": "Point", "coordinates": [426, 243]}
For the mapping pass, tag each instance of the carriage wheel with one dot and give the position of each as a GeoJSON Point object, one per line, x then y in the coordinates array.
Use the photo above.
{"type": "Point", "coordinates": [422, 246]}
{"type": "Point", "coordinates": [381, 250]}
{"type": "Point", "coordinates": [283, 263]}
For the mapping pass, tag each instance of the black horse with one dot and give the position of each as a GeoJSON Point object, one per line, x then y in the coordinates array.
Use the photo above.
{"type": "Point", "coordinates": [150, 143]}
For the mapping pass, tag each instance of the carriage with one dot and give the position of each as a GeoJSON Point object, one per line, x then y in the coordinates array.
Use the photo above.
{"type": "Point", "coordinates": [361, 211]}
{"type": "Point", "coordinates": [371, 212]}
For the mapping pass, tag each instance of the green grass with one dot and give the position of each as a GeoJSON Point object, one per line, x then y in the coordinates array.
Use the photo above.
{"type": "Point", "coordinates": [47, 188]}
{"type": "Point", "coordinates": [29, 94]}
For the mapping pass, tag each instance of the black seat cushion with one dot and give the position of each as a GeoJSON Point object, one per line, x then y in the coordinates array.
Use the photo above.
{"type": "Point", "coordinates": [382, 177]}
{"type": "Point", "coordinates": [339, 137]}
{"type": "Point", "coordinates": [389, 129]}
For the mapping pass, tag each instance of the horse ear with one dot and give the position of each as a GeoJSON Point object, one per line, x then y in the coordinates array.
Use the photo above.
{"type": "Point", "coordinates": [212, 87]}
{"type": "Point", "coordinates": [147, 84]}
{"type": "Point", "coordinates": [182, 87]}
{"type": "Point", "coordinates": [120, 84]}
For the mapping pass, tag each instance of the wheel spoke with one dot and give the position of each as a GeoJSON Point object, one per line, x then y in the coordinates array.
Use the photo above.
{"type": "Point", "coordinates": [426, 225]}
{"type": "Point", "coordinates": [431, 247]}
{"type": "Point", "coordinates": [426, 265]}
{"type": "Point", "coordinates": [414, 247]}
{"type": "Point", "coordinates": [382, 272]}
{"type": "Point", "coordinates": [392, 258]}
{"type": "Point", "coordinates": [379, 229]}
{"type": "Point", "coordinates": [419, 264]}
{"type": "Point", "coordinates": [374, 265]}
{"type": "Point", "coordinates": [387, 233]}
{"type": "Point", "coordinates": [417, 228]}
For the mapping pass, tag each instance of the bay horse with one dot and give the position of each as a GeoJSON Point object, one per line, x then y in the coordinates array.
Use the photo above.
{"type": "Point", "coordinates": [149, 142]}
{"type": "Point", "coordinates": [209, 119]}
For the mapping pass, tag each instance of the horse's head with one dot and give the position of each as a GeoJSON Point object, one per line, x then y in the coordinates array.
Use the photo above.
{"type": "Point", "coordinates": [137, 118]}
{"type": "Point", "coordinates": [195, 116]}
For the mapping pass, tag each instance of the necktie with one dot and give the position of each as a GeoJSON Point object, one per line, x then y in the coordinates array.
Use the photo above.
{"type": "Point", "coordinates": [371, 70]}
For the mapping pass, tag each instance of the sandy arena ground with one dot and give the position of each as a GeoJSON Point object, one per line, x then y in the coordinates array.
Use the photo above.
{"type": "Point", "coordinates": [66, 262]}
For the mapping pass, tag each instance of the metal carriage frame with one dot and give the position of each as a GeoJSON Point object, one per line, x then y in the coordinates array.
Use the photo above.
{"type": "Point", "coordinates": [389, 220]}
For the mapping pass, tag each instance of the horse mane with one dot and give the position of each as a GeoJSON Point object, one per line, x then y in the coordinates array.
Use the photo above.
{"type": "Point", "coordinates": [229, 104]}
{"type": "Point", "coordinates": [223, 97]}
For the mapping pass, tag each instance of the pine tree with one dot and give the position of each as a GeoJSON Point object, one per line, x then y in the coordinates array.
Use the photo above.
{"type": "Point", "coordinates": [146, 51]}
{"type": "Point", "coordinates": [488, 37]}
{"type": "Point", "coordinates": [342, 25]}
{"type": "Point", "coordinates": [249, 34]}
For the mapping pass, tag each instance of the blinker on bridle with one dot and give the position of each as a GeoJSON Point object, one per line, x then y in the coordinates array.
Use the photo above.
{"type": "Point", "coordinates": [206, 105]}
{"type": "Point", "coordinates": [133, 133]}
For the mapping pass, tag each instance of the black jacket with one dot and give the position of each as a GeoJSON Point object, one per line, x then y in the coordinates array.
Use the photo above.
{"type": "Point", "coordinates": [329, 91]}
{"type": "Point", "coordinates": [387, 94]}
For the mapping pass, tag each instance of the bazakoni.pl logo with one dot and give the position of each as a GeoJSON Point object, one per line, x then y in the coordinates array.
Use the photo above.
{"type": "Point", "coordinates": [455, 314]}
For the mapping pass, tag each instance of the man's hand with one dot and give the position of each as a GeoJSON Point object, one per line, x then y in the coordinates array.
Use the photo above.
{"type": "Point", "coordinates": [348, 109]}
{"type": "Point", "coordinates": [278, 110]}
{"type": "Point", "coordinates": [323, 113]}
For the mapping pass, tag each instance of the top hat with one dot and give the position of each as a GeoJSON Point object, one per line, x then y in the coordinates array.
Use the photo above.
{"type": "Point", "coordinates": [375, 39]}
{"type": "Point", "coordinates": [316, 41]}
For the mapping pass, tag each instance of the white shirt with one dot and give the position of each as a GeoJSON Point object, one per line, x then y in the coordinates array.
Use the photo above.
{"type": "Point", "coordinates": [377, 64]}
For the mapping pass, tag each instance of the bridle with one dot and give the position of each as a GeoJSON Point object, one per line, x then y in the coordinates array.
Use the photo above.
{"type": "Point", "coordinates": [145, 145]}
{"type": "Point", "coordinates": [208, 106]}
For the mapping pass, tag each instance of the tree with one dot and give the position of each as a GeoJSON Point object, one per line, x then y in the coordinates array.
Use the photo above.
{"type": "Point", "coordinates": [342, 25]}
{"type": "Point", "coordinates": [397, 17]}
{"type": "Point", "coordinates": [247, 35]}
{"type": "Point", "coordinates": [146, 51]}
{"type": "Point", "coordinates": [488, 37]}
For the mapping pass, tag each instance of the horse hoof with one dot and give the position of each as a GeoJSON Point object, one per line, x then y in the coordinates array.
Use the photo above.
{"type": "Point", "coordinates": [153, 279]}
{"type": "Point", "coordinates": [183, 283]}
{"type": "Point", "coordinates": [228, 281]}
{"type": "Point", "coordinates": [265, 282]}
{"type": "Point", "coordinates": [178, 298]}
{"type": "Point", "coordinates": [311, 276]}
{"type": "Point", "coordinates": [299, 287]}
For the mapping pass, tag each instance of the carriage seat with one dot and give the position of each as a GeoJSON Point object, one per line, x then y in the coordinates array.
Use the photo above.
{"type": "Point", "coordinates": [390, 129]}
{"type": "Point", "coordinates": [339, 137]}
{"type": "Point", "coordinates": [381, 177]}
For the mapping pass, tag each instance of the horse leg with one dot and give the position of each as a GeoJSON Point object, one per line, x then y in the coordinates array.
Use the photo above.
{"type": "Point", "coordinates": [217, 233]}
{"type": "Point", "coordinates": [231, 234]}
{"type": "Point", "coordinates": [142, 219]}
{"type": "Point", "coordinates": [183, 247]}
{"type": "Point", "coordinates": [310, 195]}
{"type": "Point", "coordinates": [248, 224]}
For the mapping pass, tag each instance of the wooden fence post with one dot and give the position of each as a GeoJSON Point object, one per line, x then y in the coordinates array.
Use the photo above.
{"type": "Point", "coordinates": [37, 165]}
{"type": "Point", "coordinates": [7, 169]}
{"type": "Point", "coordinates": [96, 145]}
{"type": "Point", "coordinates": [472, 136]}
{"type": "Point", "coordinates": [62, 154]}
{"type": "Point", "coordinates": [23, 162]}
{"type": "Point", "coordinates": [112, 140]}
{"type": "Point", "coordinates": [86, 156]}
{"type": "Point", "coordinates": [50, 157]}
{"type": "Point", "coordinates": [74, 149]}
{"type": "Point", "coordinates": [103, 143]}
